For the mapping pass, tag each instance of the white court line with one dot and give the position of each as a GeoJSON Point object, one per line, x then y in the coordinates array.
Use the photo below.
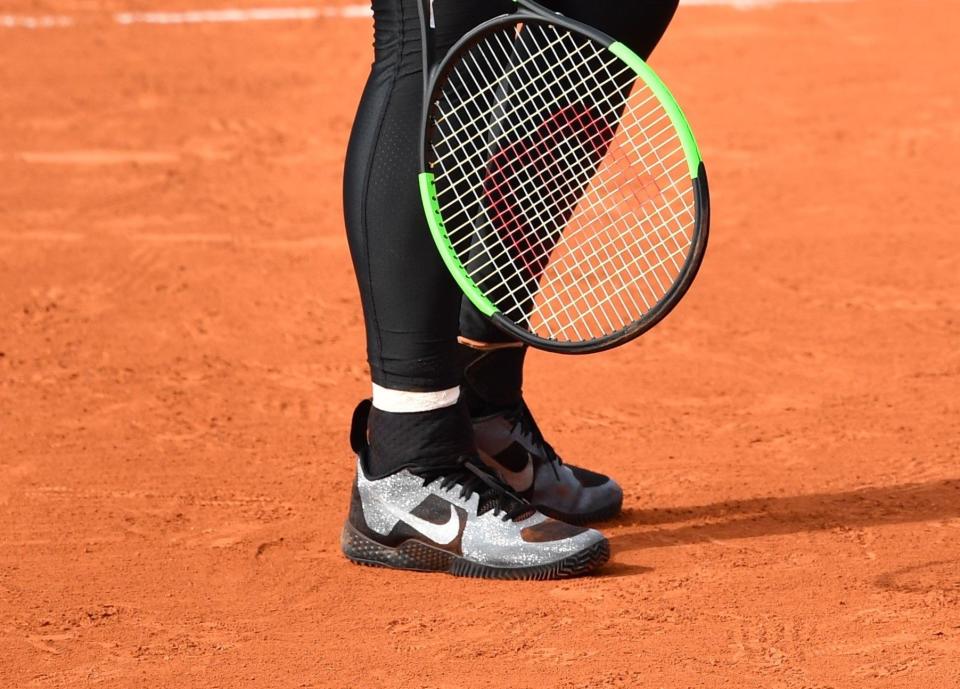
{"type": "Point", "coordinates": [11, 21]}
{"type": "Point", "coordinates": [256, 14]}
{"type": "Point", "coordinates": [749, 4]}
{"type": "Point", "coordinates": [263, 14]}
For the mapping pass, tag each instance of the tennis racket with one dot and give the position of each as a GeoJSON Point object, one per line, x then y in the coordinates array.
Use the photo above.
{"type": "Point", "coordinates": [560, 180]}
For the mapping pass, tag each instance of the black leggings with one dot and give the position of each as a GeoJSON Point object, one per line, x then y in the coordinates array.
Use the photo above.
{"type": "Point", "coordinates": [411, 305]}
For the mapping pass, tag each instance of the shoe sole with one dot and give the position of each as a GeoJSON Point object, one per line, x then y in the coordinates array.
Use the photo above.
{"type": "Point", "coordinates": [420, 557]}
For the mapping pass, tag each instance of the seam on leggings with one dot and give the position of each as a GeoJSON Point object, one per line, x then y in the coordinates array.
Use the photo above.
{"type": "Point", "coordinates": [366, 181]}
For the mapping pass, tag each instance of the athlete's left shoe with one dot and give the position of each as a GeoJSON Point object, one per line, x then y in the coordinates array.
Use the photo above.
{"type": "Point", "coordinates": [457, 517]}
{"type": "Point", "coordinates": [511, 444]}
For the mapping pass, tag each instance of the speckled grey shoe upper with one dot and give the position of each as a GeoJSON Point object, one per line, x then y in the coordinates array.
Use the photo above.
{"type": "Point", "coordinates": [402, 505]}
{"type": "Point", "coordinates": [459, 518]}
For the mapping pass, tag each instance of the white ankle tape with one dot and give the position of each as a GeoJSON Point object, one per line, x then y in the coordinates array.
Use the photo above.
{"type": "Point", "coordinates": [404, 402]}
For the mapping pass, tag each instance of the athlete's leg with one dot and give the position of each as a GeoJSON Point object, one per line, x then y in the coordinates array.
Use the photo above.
{"type": "Point", "coordinates": [410, 302]}
{"type": "Point", "coordinates": [409, 299]}
{"type": "Point", "coordinates": [416, 503]}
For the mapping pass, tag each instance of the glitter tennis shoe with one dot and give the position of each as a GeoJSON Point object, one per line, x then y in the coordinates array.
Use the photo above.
{"type": "Point", "coordinates": [460, 519]}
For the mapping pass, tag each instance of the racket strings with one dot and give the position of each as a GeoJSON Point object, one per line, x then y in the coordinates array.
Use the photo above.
{"type": "Point", "coordinates": [505, 213]}
{"type": "Point", "coordinates": [592, 161]}
{"type": "Point", "coordinates": [594, 203]}
{"type": "Point", "coordinates": [571, 185]}
{"type": "Point", "coordinates": [561, 184]}
{"type": "Point", "coordinates": [595, 141]}
{"type": "Point", "coordinates": [631, 258]}
{"type": "Point", "coordinates": [562, 210]}
{"type": "Point", "coordinates": [566, 284]}
{"type": "Point", "coordinates": [555, 102]}
{"type": "Point", "coordinates": [480, 118]}
{"type": "Point", "coordinates": [490, 89]}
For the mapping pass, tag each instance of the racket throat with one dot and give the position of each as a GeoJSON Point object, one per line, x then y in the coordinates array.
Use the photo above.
{"type": "Point", "coordinates": [428, 24]}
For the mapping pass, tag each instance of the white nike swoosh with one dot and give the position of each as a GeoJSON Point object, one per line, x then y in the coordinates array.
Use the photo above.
{"type": "Point", "coordinates": [518, 480]}
{"type": "Point", "coordinates": [442, 534]}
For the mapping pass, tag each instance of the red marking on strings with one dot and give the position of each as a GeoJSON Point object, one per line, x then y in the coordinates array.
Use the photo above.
{"type": "Point", "coordinates": [536, 157]}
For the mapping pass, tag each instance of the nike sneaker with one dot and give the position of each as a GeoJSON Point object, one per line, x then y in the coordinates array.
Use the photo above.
{"type": "Point", "coordinates": [458, 518]}
{"type": "Point", "coordinates": [511, 445]}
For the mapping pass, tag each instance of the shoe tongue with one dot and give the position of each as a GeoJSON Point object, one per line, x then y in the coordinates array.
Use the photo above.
{"type": "Point", "coordinates": [492, 494]}
{"type": "Point", "coordinates": [487, 503]}
{"type": "Point", "coordinates": [492, 500]}
{"type": "Point", "coordinates": [527, 427]}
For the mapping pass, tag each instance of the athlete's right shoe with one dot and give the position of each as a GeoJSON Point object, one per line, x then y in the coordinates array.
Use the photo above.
{"type": "Point", "coordinates": [460, 519]}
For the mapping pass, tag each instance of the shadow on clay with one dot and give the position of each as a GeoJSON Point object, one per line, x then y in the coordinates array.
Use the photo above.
{"type": "Point", "coordinates": [936, 576]}
{"type": "Point", "coordinates": [772, 516]}
{"type": "Point", "coordinates": [613, 569]}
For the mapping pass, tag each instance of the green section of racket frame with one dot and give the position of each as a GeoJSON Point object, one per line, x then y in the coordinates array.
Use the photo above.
{"type": "Point", "coordinates": [428, 195]}
{"type": "Point", "coordinates": [660, 90]}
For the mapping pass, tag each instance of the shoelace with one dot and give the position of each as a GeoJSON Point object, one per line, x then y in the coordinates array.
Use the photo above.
{"type": "Point", "coordinates": [468, 474]}
{"type": "Point", "coordinates": [523, 420]}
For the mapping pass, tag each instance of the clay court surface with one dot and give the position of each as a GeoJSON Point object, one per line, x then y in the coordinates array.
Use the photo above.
{"type": "Point", "coordinates": [181, 347]}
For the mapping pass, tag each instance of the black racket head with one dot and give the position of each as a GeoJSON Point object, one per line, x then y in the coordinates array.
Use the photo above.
{"type": "Point", "coordinates": [561, 183]}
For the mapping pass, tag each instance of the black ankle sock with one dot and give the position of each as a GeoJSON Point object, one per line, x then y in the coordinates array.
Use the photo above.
{"type": "Point", "coordinates": [418, 438]}
{"type": "Point", "coordinates": [492, 379]}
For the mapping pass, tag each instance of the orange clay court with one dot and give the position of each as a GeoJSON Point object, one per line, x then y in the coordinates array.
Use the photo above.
{"type": "Point", "coordinates": [181, 347]}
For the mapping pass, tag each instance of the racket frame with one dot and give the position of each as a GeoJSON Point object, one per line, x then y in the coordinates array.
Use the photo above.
{"type": "Point", "coordinates": [434, 75]}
